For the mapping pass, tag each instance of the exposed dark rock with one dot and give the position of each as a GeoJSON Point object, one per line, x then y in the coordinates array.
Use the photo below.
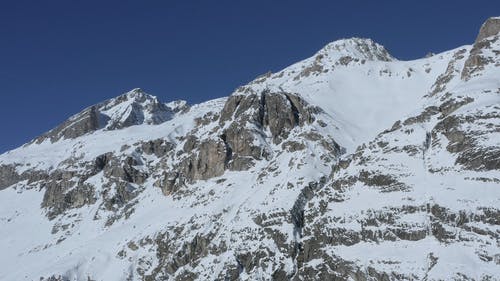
{"type": "Point", "coordinates": [284, 113]}
{"type": "Point", "coordinates": [8, 176]}
{"type": "Point", "coordinates": [173, 257]}
{"type": "Point", "coordinates": [490, 28]}
{"type": "Point", "coordinates": [395, 126]}
{"type": "Point", "coordinates": [315, 68]}
{"type": "Point", "coordinates": [345, 60]}
{"type": "Point", "coordinates": [241, 163]}
{"type": "Point", "coordinates": [449, 126]}
{"type": "Point", "coordinates": [158, 147]}
{"type": "Point", "coordinates": [101, 161]}
{"type": "Point", "coordinates": [477, 60]}
{"type": "Point", "coordinates": [171, 182]}
{"type": "Point", "coordinates": [422, 117]}
{"type": "Point", "coordinates": [125, 170]}
{"type": "Point", "coordinates": [56, 278]}
{"type": "Point", "coordinates": [280, 112]}
{"type": "Point", "coordinates": [190, 143]}
{"type": "Point", "coordinates": [387, 183]}
{"type": "Point", "coordinates": [122, 194]}
{"type": "Point", "coordinates": [237, 105]}
{"type": "Point", "coordinates": [209, 162]}
{"type": "Point", "coordinates": [206, 119]}
{"type": "Point", "coordinates": [439, 85]}
{"type": "Point", "coordinates": [453, 104]}
{"type": "Point", "coordinates": [240, 141]}
{"type": "Point", "coordinates": [480, 159]}
{"type": "Point", "coordinates": [57, 199]}
{"type": "Point", "coordinates": [301, 253]}
{"type": "Point", "coordinates": [463, 142]}
{"type": "Point", "coordinates": [292, 146]}
{"type": "Point", "coordinates": [78, 125]}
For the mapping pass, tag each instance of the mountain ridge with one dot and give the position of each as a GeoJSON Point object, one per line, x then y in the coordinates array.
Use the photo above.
{"type": "Point", "coordinates": [349, 165]}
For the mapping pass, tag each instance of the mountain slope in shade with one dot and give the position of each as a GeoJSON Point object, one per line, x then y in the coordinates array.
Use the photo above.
{"type": "Point", "coordinates": [349, 165]}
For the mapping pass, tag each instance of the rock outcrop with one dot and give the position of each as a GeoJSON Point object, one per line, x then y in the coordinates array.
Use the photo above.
{"type": "Point", "coordinates": [489, 28]}
{"type": "Point", "coordinates": [78, 125]}
{"type": "Point", "coordinates": [484, 51]}
{"type": "Point", "coordinates": [8, 176]}
{"type": "Point", "coordinates": [279, 112]}
{"type": "Point", "coordinates": [242, 136]}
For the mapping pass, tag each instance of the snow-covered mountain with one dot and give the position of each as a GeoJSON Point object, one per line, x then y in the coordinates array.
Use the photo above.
{"type": "Point", "coordinates": [348, 165]}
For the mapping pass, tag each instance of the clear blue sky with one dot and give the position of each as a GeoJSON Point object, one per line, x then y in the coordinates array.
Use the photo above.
{"type": "Point", "coordinates": [58, 57]}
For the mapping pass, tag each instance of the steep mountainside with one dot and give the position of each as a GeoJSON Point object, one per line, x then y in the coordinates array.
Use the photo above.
{"type": "Point", "coordinates": [349, 165]}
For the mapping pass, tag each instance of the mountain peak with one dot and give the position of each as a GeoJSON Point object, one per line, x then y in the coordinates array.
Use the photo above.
{"type": "Point", "coordinates": [362, 48]}
{"type": "Point", "coordinates": [135, 107]}
{"type": "Point", "coordinates": [136, 95]}
{"type": "Point", "coordinates": [139, 96]}
{"type": "Point", "coordinates": [489, 28]}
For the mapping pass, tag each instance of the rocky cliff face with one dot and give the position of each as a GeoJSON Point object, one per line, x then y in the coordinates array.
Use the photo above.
{"type": "Point", "coordinates": [490, 28]}
{"type": "Point", "coordinates": [349, 165]}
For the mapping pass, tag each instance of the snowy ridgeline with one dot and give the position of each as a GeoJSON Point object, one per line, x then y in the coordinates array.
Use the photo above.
{"type": "Point", "coordinates": [348, 165]}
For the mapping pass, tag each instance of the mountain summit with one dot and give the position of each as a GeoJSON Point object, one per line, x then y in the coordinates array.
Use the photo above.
{"type": "Point", "coordinates": [356, 48]}
{"type": "Point", "coordinates": [348, 165]}
{"type": "Point", "coordinates": [135, 107]}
